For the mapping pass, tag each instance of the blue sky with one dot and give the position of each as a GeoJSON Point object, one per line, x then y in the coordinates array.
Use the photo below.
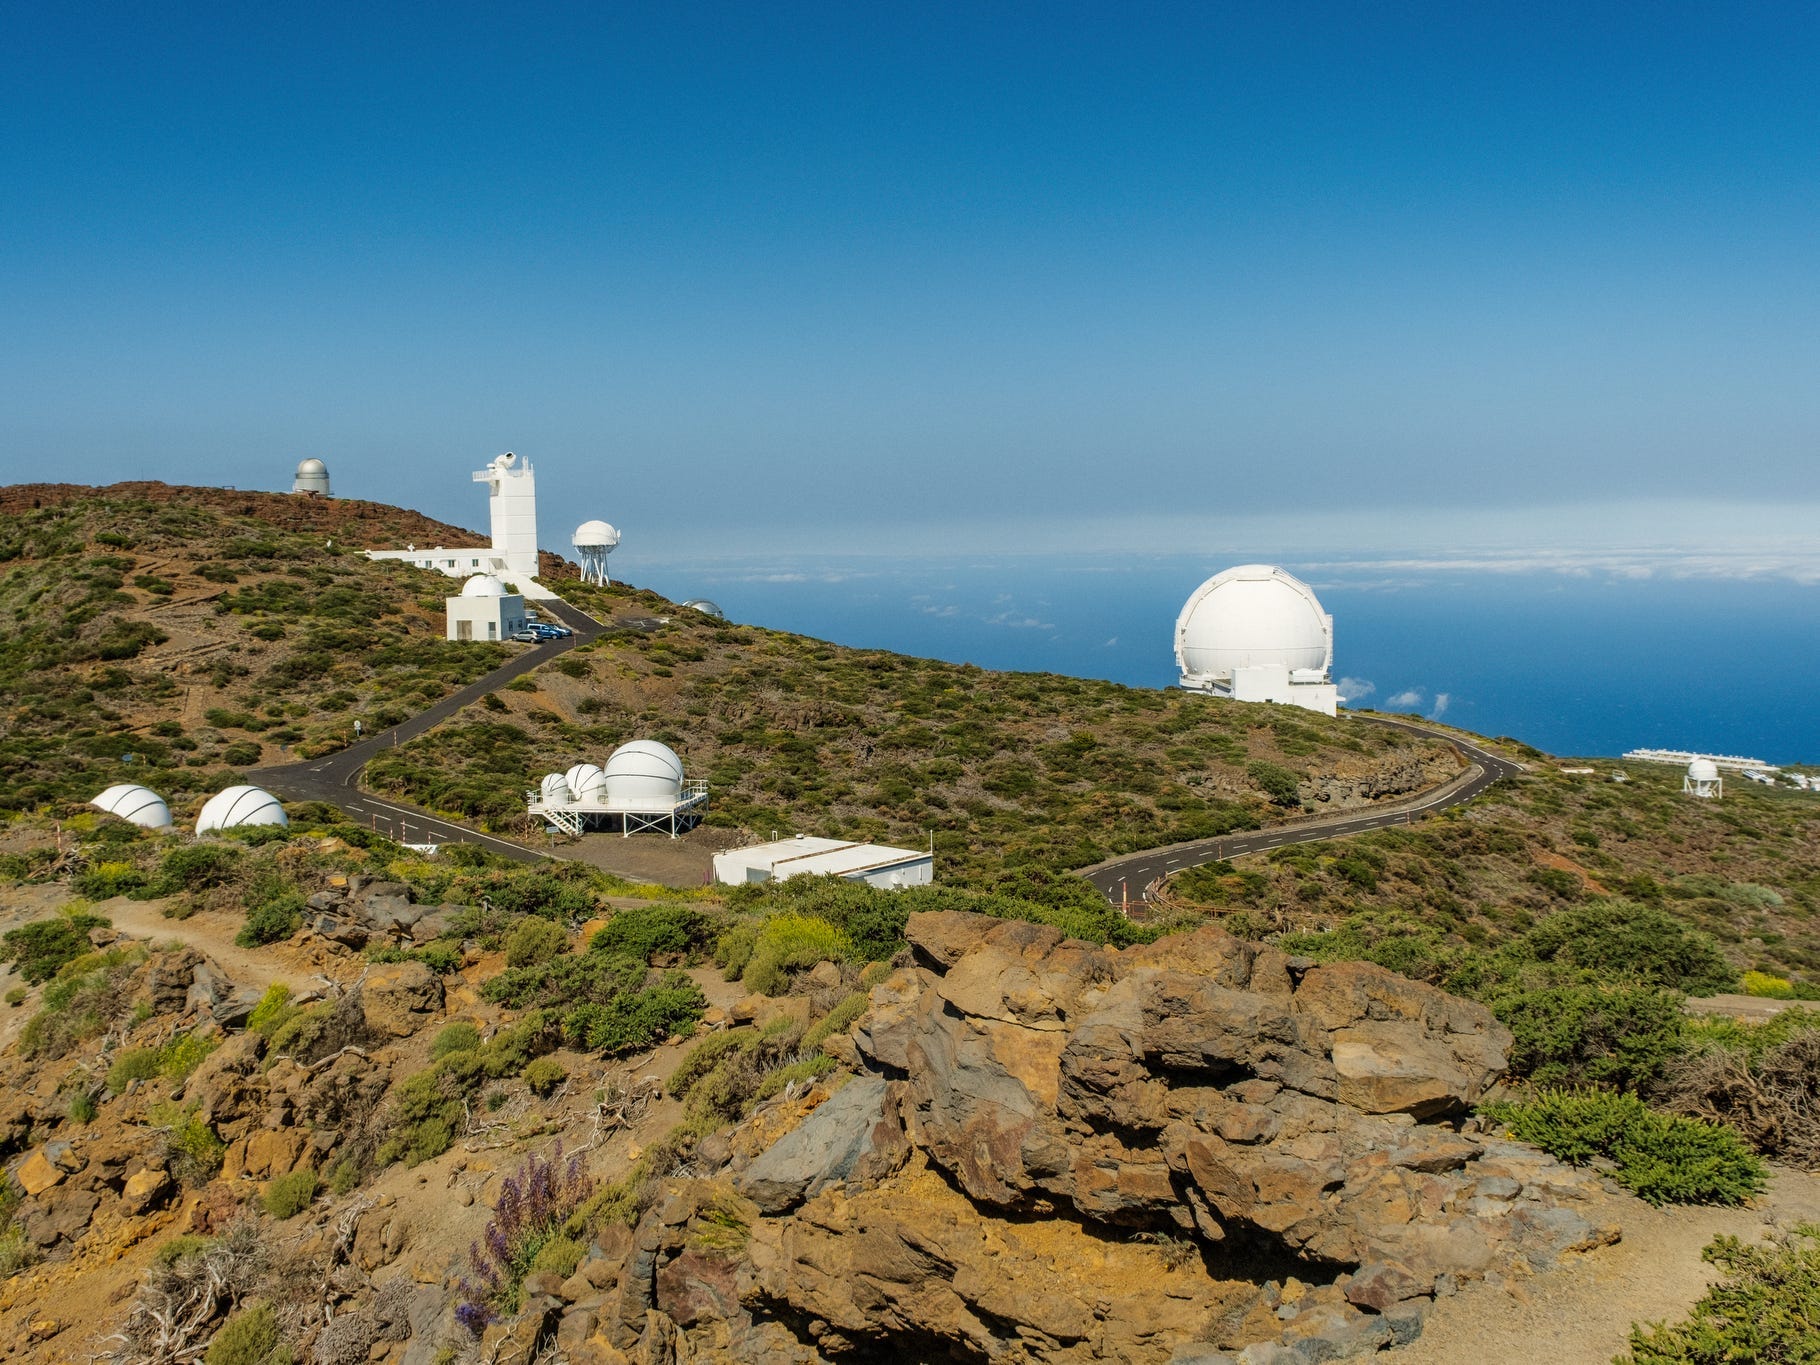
{"type": "Point", "coordinates": [911, 276]}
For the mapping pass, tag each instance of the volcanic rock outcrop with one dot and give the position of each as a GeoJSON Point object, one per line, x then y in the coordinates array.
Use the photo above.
{"type": "Point", "coordinates": [1062, 1152]}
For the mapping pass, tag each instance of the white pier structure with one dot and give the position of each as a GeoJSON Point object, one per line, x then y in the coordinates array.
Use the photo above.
{"type": "Point", "coordinates": [1703, 780]}
{"type": "Point", "coordinates": [641, 790]}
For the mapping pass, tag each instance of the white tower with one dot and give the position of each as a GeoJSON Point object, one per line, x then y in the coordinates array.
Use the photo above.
{"type": "Point", "coordinates": [1703, 779]}
{"type": "Point", "coordinates": [594, 541]}
{"type": "Point", "coordinates": [512, 500]}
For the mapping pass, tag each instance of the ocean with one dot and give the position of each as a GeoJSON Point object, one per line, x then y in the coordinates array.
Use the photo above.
{"type": "Point", "coordinates": [1575, 663]}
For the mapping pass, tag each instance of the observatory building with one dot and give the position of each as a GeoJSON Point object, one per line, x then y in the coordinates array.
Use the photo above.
{"type": "Point", "coordinates": [1257, 633]}
{"type": "Point", "coordinates": [139, 805]}
{"type": "Point", "coordinates": [512, 511]}
{"type": "Point", "coordinates": [237, 806]}
{"type": "Point", "coordinates": [1703, 780]}
{"type": "Point", "coordinates": [594, 541]}
{"type": "Point", "coordinates": [312, 477]}
{"type": "Point", "coordinates": [640, 788]}
{"type": "Point", "coordinates": [875, 864]}
{"type": "Point", "coordinates": [486, 609]}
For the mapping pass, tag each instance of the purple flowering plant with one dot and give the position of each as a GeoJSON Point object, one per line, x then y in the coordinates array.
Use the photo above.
{"type": "Point", "coordinates": [534, 1202]}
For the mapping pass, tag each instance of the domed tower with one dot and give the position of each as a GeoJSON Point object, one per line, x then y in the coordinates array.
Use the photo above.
{"type": "Point", "coordinates": [1257, 633]}
{"type": "Point", "coordinates": [1703, 780]}
{"type": "Point", "coordinates": [312, 477]}
{"type": "Point", "coordinates": [594, 541]}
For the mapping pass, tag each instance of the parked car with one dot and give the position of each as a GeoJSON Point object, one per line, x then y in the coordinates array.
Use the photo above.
{"type": "Point", "coordinates": [527, 636]}
{"type": "Point", "coordinates": [550, 632]}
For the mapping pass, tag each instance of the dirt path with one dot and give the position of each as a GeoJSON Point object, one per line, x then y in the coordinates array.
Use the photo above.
{"type": "Point", "coordinates": [1581, 1313]}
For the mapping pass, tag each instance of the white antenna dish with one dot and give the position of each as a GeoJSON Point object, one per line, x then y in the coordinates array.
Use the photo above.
{"type": "Point", "coordinates": [594, 541]}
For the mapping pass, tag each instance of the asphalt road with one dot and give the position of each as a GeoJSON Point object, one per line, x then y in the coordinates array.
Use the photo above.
{"type": "Point", "coordinates": [1132, 876]}
{"type": "Point", "coordinates": [335, 778]}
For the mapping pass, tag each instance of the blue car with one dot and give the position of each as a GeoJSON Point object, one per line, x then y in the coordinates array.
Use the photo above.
{"type": "Point", "coordinates": [550, 632]}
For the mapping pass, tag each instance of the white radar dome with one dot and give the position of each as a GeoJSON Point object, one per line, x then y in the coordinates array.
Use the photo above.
{"type": "Point", "coordinates": [643, 771]}
{"type": "Point", "coordinates": [139, 805]}
{"type": "Point", "coordinates": [1252, 616]}
{"type": "Point", "coordinates": [1703, 770]}
{"type": "Point", "coordinates": [587, 782]}
{"type": "Point", "coordinates": [706, 608]}
{"type": "Point", "coordinates": [240, 806]}
{"type": "Point", "coordinates": [555, 790]}
{"type": "Point", "coordinates": [484, 585]}
{"type": "Point", "coordinates": [593, 533]}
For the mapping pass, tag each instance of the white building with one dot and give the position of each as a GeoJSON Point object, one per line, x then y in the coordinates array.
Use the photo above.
{"type": "Point", "coordinates": [641, 788]}
{"type": "Point", "coordinates": [1703, 779]}
{"type": "Point", "coordinates": [234, 807]}
{"type": "Point", "coordinates": [1257, 633]}
{"type": "Point", "coordinates": [312, 477]}
{"type": "Point", "coordinates": [485, 609]}
{"type": "Point", "coordinates": [874, 864]}
{"type": "Point", "coordinates": [136, 804]}
{"type": "Point", "coordinates": [512, 512]}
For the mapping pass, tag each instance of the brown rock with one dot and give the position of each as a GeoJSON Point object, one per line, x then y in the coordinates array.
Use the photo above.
{"type": "Point", "coordinates": [36, 1174]}
{"type": "Point", "coordinates": [397, 997]}
{"type": "Point", "coordinates": [1382, 1283]}
{"type": "Point", "coordinates": [145, 1190]}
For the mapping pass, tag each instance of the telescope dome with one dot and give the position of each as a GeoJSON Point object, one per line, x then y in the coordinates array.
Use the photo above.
{"type": "Point", "coordinates": [1252, 616]}
{"type": "Point", "coordinates": [242, 805]}
{"type": "Point", "coordinates": [484, 585]}
{"type": "Point", "coordinates": [136, 804]}
{"type": "Point", "coordinates": [643, 770]}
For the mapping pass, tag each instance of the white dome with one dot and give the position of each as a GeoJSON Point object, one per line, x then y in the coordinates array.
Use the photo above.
{"type": "Point", "coordinates": [595, 533]}
{"type": "Point", "coordinates": [140, 805]}
{"type": "Point", "coordinates": [706, 608]}
{"type": "Point", "coordinates": [1703, 770]}
{"type": "Point", "coordinates": [1252, 616]}
{"type": "Point", "coordinates": [484, 585]}
{"type": "Point", "coordinates": [587, 781]}
{"type": "Point", "coordinates": [311, 466]}
{"type": "Point", "coordinates": [643, 771]}
{"type": "Point", "coordinates": [240, 806]}
{"type": "Point", "coordinates": [555, 790]}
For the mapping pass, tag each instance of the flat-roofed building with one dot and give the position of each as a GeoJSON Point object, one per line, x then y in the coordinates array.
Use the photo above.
{"type": "Point", "coordinates": [803, 856]}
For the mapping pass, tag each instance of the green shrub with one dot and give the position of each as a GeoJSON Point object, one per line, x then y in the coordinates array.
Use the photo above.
{"type": "Point", "coordinates": [249, 1337]}
{"type": "Point", "coordinates": [1662, 1158]}
{"type": "Point", "coordinates": [647, 931]}
{"type": "Point", "coordinates": [461, 1036]}
{"type": "Point", "coordinates": [273, 1011]}
{"type": "Point", "coordinates": [196, 867]}
{"type": "Point", "coordinates": [134, 1064]}
{"type": "Point", "coordinates": [535, 942]}
{"type": "Point", "coordinates": [180, 1057]}
{"type": "Point", "coordinates": [1617, 939]}
{"type": "Point", "coordinates": [100, 881]}
{"type": "Point", "coordinates": [1277, 782]}
{"type": "Point", "coordinates": [82, 1107]}
{"type": "Point", "coordinates": [1767, 986]}
{"type": "Point", "coordinates": [1573, 1036]}
{"type": "Point", "coordinates": [788, 943]}
{"type": "Point", "coordinates": [604, 1002]}
{"type": "Point", "coordinates": [192, 1148]}
{"type": "Point", "coordinates": [699, 1060]}
{"type": "Point", "coordinates": [273, 919]}
{"type": "Point", "coordinates": [544, 1074]}
{"type": "Point", "coordinates": [733, 950]}
{"type": "Point", "coordinates": [837, 1020]}
{"type": "Point", "coordinates": [43, 948]}
{"type": "Point", "coordinates": [1765, 1308]}
{"type": "Point", "coordinates": [289, 1195]}
{"type": "Point", "coordinates": [560, 1256]}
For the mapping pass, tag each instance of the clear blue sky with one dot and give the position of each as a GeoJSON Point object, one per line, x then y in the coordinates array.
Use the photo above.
{"type": "Point", "coordinates": [792, 266]}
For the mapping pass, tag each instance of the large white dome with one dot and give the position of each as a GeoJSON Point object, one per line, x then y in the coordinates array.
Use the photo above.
{"type": "Point", "coordinates": [1703, 770]}
{"type": "Point", "coordinates": [587, 782]}
{"type": "Point", "coordinates": [484, 585]}
{"type": "Point", "coordinates": [643, 772]}
{"type": "Point", "coordinates": [140, 805]}
{"type": "Point", "coordinates": [595, 533]}
{"type": "Point", "coordinates": [1252, 616]}
{"type": "Point", "coordinates": [240, 806]}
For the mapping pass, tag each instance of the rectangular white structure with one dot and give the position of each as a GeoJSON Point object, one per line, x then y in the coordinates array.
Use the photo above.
{"type": "Point", "coordinates": [485, 618]}
{"type": "Point", "coordinates": [1280, 685]}
{"type": "Point", "coordinates": [874, 864]}
{"type": "Point", "coordinates": [512, 507]}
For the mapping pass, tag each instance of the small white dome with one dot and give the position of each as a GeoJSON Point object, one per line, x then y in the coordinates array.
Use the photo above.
{"type": "Point", "coordinates": [555, 790]}
{"type": "Point", "coordinates": [140, 805]}
{"type": "Point", "coordinates": [240, 805]}
{"type": "Point", "coordinates": [592, 533]}
{"type": "Point", "coordinates": [484, 585]}
{"type": "Point", "coordinates": [643, 771]}
{"type": "Point", "coordinates": [1254, 615]}
{"type": "Point", "coordinates": [587, 781]}
{"type": "Point", "coordinates": [706, 608]}
{"type": "Point", "coordinates": [1703, 770]}
{"type": "Point", "coordinates": [311, 466]}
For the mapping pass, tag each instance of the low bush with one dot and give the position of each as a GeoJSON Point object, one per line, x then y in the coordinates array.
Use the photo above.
{"type": "Point", "coordinates": [1764, 1309]}
{"type": "Point", "coordinates": [647, 931]}
{"type": "Point", "coordinates": [535, 942]}
{"type": "Point", "coordinates": [460, 1036]}
{"type": "Point", "coordinates": [134, 1064]}
{"type": "Point", "coordinates": [605, 1002]}
{"type": "Point", "coordinates": [43, 948]}
{"type": "Point", "coordinates": [273, 1011]}
{"type": "Point", "coordinates": [543, 1075]}
{"type": "Point", "coordinates": [788, 943]}
{"type": "Point", "coordinates": [249, 1337]}
{"type": "Point", "coordinates": [837, 1020]}
{"type": "Point", "coordinates": [1768, 1089]}
{"type": "Point", "coordinates": [1622, 1037]}
{"type": "Point", "coordinates": [1662, 1158]}
{"type": "Point", "coordinates": [271, 920]}
{"type": "Point", "coordinates": [289, 1195]}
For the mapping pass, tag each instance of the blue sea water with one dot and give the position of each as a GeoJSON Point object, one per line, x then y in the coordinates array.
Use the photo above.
{"type": "Point", "coordinates": [1575, 664]}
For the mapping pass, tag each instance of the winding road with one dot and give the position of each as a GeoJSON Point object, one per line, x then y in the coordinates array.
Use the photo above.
{"type": "Point", "coordinates": [1134, 876]}
{"type": "Point", "coordinates": [335, 778]}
